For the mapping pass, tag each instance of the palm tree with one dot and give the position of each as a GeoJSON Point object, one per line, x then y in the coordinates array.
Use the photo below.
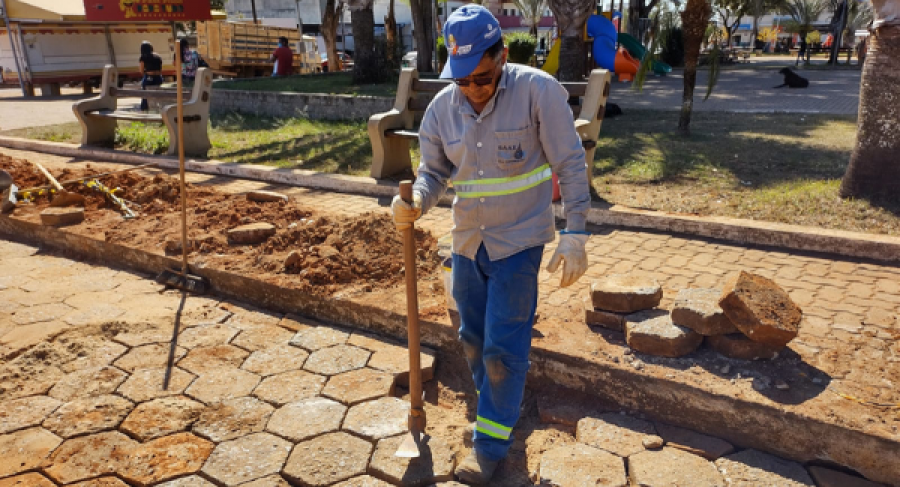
{"type": "Point", "coordinates": [804, 13]}
{"type": "Point", "coordinates": [532, 13]}
{"type": "Point", "coordinates": [694, 20]}
{"type": "Point", "coordinates": [874, 170]}
{"type": "Point", "coordinates": [571, 16]}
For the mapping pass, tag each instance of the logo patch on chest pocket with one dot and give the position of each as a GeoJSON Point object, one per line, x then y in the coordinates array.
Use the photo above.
{"type": "Point", "coordinates": [511, 153]}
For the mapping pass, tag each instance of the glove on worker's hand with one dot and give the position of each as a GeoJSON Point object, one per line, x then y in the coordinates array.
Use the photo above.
{"type": "Point", "coordinates": [404, 213]}
{"type": "Point", "coordinates": [571, 251]}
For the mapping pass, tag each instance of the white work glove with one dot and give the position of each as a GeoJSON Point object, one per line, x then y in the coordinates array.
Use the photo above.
{"type": "Point", "coordinates": [404, 213]}
{"type": "Point", "coordinates": [571, 251]}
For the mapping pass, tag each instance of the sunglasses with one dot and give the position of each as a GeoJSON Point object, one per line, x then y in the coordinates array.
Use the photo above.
{"type": "Point", "coordinates": [478, 80]}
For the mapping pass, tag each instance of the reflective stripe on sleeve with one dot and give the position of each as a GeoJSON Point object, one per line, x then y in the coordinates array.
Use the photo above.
{"type": "Point", "coordinates": [492, 429]}
{"type": "Point", "coordinates": [502, 186]}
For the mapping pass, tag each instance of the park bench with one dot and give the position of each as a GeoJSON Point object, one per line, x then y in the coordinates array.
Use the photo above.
{"type": "Point", "coordinates": [99, 116]}
{"type": "Point", "coordinates": [390, 132]}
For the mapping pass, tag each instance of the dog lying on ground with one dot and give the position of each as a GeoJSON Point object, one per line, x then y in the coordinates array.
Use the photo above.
{"type": "Point", "coordinates": [612, 110]}
{"type": "Point", "coordinates": [792, 79]}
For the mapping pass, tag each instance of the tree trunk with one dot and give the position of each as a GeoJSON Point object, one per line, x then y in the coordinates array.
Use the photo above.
{"type": "Point", "coordinates": [874, 170]}
{"type": "Point", "coordinates": [757, 6]}
{"type": "Point", "coordinates": [421, 16]}
{"type": "Point", "coordinates": [390, 33]}
{"type": "Point", "coordinates": [571, 16]}
{"type": "Point", "coordinates": [694, 19]}
{"type": "Point", "coordinates": [330, 18]}
{"type": "Point", "coordinates": [365, 65]}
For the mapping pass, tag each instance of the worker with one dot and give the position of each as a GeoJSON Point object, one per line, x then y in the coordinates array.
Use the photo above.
{"type": "Point", "coordinates": [283, 58]}
{"type": "Point", "coordinates": [497, 132]}
{"type": "Point", "coordinates": [151, 70]}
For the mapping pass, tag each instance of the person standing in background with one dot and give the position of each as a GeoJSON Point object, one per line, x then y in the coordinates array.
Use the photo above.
{"type": "Point", "coordinates": [283, 58]}
{"type": "Point", "coordinates": [190, 61]}
{"type": "Point", "coordinates": [151, 70]}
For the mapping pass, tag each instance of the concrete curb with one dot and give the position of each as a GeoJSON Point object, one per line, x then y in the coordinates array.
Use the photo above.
{"type": "Point", "coordinates": [849, 244]}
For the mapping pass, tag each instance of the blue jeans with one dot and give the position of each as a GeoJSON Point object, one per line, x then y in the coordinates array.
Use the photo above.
{"type": "Point", "coordinates": [149, 80]}
{"type": "Point", "coordinates": [496, 302]}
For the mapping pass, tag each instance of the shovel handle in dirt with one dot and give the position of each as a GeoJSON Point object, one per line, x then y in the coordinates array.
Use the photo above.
{"type": "Point", "coordinates": [409, 447]}
{"type": "Point", "coordinates": [63, 197]}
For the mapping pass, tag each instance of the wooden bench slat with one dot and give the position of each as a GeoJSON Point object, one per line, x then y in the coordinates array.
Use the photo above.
{"type": "Point", "coordinates": [131, 116]}
{"type": "Point", "coordinates": [430, 85]}
{"type": "Point", "coordinates": [148, 94]}
{"type": "Point", "coordinates": [401, 134]}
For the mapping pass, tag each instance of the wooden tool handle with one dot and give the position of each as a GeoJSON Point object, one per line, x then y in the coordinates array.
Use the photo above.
{"type": "Point", "coordinates": [49, 176]}
{"type": "Point", "coordinates": [417, 412]}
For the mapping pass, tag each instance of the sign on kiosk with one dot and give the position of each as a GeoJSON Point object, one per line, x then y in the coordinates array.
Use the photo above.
{"type": "Point", "coordinates": [146, 10]}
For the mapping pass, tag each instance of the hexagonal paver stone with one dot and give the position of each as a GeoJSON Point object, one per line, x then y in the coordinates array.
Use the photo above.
{"type": "Point", "coordinates": [708, 447]}
{"type": "Point", "coordinates": [738, 346]}
{"type": "Point", "coordinates": [26, 336]}
{"type": "Point", "coordinates": [359, 385]}
{"type": "Point", "coordinates": [320, 337]}
{"type": "Point", "coordinates": [297, 323]}
{"type": "Point", "coordinates": [101, 482]}
{"type": "Point", "coordinates": [615, 433]}
{"type": "Point", "coordinates": [826, 477]}
{"type": "Point", "coordinates": [99, 353]}
{"type": "Point", "coordinates": [598, 317]}
{"type": "Point", "coordinates": [248, 458]}
{"type": "Point", "coordinates": [233, 418]}
{"type": "Point", "coordinates": [166, 458]}
{"type": "Point", "coordinates": [27, 381]}
{"type": "Point", "coordinates": [262, 337]}
{"type": "Point", "coordinates": [42, 313]}
{"type": "Point", "coordinates": [395, 360]}
{"type": "Point", "coordinates": [245, 317]}
{"type": "Point", "coordinates": [27, 480]}
{"type": "Point", "coordinates": [698, 309]}
{"type": "Point", "coordinates": [290, 386]}
{"type": "Point", "coordinates": [363, 481]}
{"type": "Point", "coordinates": [88, 300]}
{"type": "Point", "coordinates": [87, 383]}
{"type": "Point", "coordinates": [671, 466]}
{"type": "Point", "coordinates": [161, 417]}
{"type": "Point", "coordinates": [192, 481]}
{"type": "Point", "coordinates": [274, 360]}
{"type": "Point", "coordinates": [205, 359]}
{"type": "Point", "coordinates": [88, 415]}
{"type": "Point", "coordinates": [328, 459]}
{"type": "Point", "coordinates": [98, 314]}
{"type": "Point", "coordinates": [207, 335]}
{"type": "Point", "coordinates": [653, 332]}
{"type": "Point", "coordinates": [144, 337]}
{"type": "Point", "coordinates": [270, 481]}
{"type": "Point", "coordinates": [148, 356]}
{"type": "Point", "coordinates": [625, 293]}
{"type": "Point", "coordinates": [753, 467]}
{"type": "Point", "coordinates": [435, 463]}
{"type": "Point", "coordinates": [25, 450]}
{"type": "Point", "coordinates": [25, 412]}
{"type": "Point", "coordinates": [221, 384]}
{"type": "Point", "coordinates": [147, 384]}
{"type": "Point", "coordinates": [378, 419]}
{"type": "Point", "coordinates": [582, 466]}
{"type": "Point", "coordinates": [760, 309]}
{"type": "Point", "coordinates": [305, 419]}
{"type": "Point", "coordinates": [90, 456]}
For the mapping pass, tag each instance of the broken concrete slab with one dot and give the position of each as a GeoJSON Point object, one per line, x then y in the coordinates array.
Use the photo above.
{"type": "Point", "coordinates": [27, 480]}
{"type": "Point", "coordinates": [337, 360]}
{"type": "Point", "coordinates": [760, 309]}
{"type": "Point", "coordinates": [261, 338]}
{"type": "Point", "coordinates": [161, 417]}
{"type": "Point", "coordinates": [275, 360]}
{"type": "Point", "coordinates": [581, 465]}
{"type": "Point", "coordinates": [653, 332]}
{"type": "Point", "coordinates": [435, 464]}
{"type": "Point", "coordinates": [88, 415]}
{"type": "Point", "coordinates": [708, 447]}
{"type": "Point", "coordinates": [262, 196]}
{"type": "Point", "coordinates": [302, 420]}
{"type": "Point", "coordinates": [247, 458]}
{"type": "Point", "coordinates": [221, 384]}
{"type": "Point", "coordinates": [606, 319]}
{"type": "Point", "coordinates": [166, 458]}
{"type": "Point", "coordinates": [292, 386]}
{"type": "Point", "coordinates": [148, 356]}
{"type": "Point", "coordinates": [395, 360]}
{"type": "Point", "coordinates": [88, 382]}
{"type": "Point", "coordinates": [328, 459]}
{"type": "Point", "coordinates": [312, 339]}
{"type": "Point", "coordinates": [359, 385]}
{"type": "Point", "coordinates": [90, 456]}
{"type": "Point", "coordinates": [750, 468]}
{"type": "Point", "coordinates": [26, 412]}
{"type": "Point", "coordinates": [206, 359]}
{"type": "Point", "coordinates": [738, 346]}
{"type": "Point", "coordinates": [60, 217]}
{"type": "Point", "coordinates": [25, 450]}
{"type": "Point", "coordinates": [207, 335]}
{"type": "Point", "coordinates": [252, 233]}
{"type": "Point", "coordinates": [625, 293]}
{"type": "Point", "coordinates": [233, 418]}
{"type": "Point", "coordinates": [378, 419]}
{"type": "Point", "coordinates": [146, 384]}
{"type": "Point", "coordinates": [826, 477]}
{"type": "Point", "coordinates": [671, 466]}
{"type": "Point", "coordinates": [698, 309]}
{"type": "Point", "coordinates": [615, 433]}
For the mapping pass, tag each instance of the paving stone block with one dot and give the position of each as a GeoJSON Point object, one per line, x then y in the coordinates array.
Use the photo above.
{"type": "Point", "coordinates": [60, 217]}
{"type": "Point", "coordinates": [297, 323]}
{"type": "Point", "coordinates": [99, 314]}
{"type": "Point", "coordinates": [361, 481]}
{"type": "Point", "coordinates": [320, 337]}
{"type": "Point", "coordinates": [327, 459]}
{"type": "Point", "coordinates": [359, 385]}
{"type": "Point", "coordinates": [738, 346]}
{"type": "Point", "coordinates": [29, 382]}
{"type": "Point", "coordinates": [207, 335]}
{"type": "Point", "coordinates": [582, 466]}
{"type": "Point", "coordinates": [708, 447]}
{"type": "Point", "coordinates": [166, 458]}
{"type": "Point", "coordinates": [263, 196]}
{"type": "Point", "coordinates": [204, 360]}
{"type": "Point", "coordinates": [144, 337]}
{"type": "Point", "coordinates": [625, 293]}
{"type": "Point", "coordinates": [101, 482]}
{"type": "Point", "coordinates": [751, 468]}
{"type": "Point", "coordinates": [146, 384]}
{"type": "Point", "coordinates": [302, 420]}
{"type": "Point", "coordinates": [161, 417]}
{"type": "Point", "coordinates": [671, 466]}
{"type": "Point", "coordinates": [90, 456]}
{"type": "Point", "coordinates": [372, 342]}
{"type": "Point", "coordinates": [274, 360]}
{"type": "Point", "coordinates": [826, 477]}
{"type": "Point", "coordinates": [221, 384]}
{"type": "Point", "coordinates": [252, 233]}
{"type": "Point", "coordinates": [233, 418]}
{"type": "Point", "coordinates": [25, 450]}
{"type": "Point", "coordinates": [88, 415]}
{"type": "Point", "coordinates": [337, 360]}
{"type": "Point", "coordinates": [245, 317]}
{"type": "Point", "coordinates": [553, 409]}
{"type": "Point", "coordinates": [42, 314]}
{"type": "Point", "coordinates": [289, 386]}
{"type": "Point", "coordinates": [27, 480]}
{"type": "Point", "coordinates": [698, 309]}
{"type": "Point", "coordinates": [435, 464]}
{"type": "Point", "coordinates": [191, 481]}
{"type": "Point", "coordinates": [148, 356]}
{"type": "Point", "coordinates": [615, 433]}
{"type": "Point", "coordinates": [606, 319]}
{"type": "Point", "coordinates": [262, 337]}
{"type": "Point", "coordinates": [395, 360]}
{"type": "Point", "coordinates": [378, 419]}
{"type": "Point", "coordinates": [26, 412]}
{"type": "Point", "coordinates": [87, 383]}
{"type": "Point", "coordinates": [270, 481]}
{"type": "Point", "coordinates": [760, 309]}
{"type": "Point", "coordinates": [653, 332]}
{"type": "Point", "coordinates": [248, 458]}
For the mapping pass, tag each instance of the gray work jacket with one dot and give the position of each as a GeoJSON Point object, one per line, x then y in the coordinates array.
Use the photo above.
{"type": "Point", "coordinates": [505, 151]}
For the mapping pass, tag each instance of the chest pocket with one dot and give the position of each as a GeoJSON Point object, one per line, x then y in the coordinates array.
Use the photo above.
{"type": "Point", "coordinates": [514, 148]}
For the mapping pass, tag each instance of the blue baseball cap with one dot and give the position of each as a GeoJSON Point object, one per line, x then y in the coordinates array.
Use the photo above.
{"type": "Point", "coordinates": [469, 31]}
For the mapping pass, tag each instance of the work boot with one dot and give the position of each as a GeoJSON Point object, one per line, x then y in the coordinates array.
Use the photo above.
{"type": "Point", "coordinates": [476, 469]}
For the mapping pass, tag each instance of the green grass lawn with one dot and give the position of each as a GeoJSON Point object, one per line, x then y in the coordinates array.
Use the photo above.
{"type": "Point", "coordinates": [331, 83]}
{"type": "Point", "coordinates": [770, 167]}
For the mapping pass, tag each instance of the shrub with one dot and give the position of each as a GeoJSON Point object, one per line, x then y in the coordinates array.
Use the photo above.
{"type": "Point", "coordinates": [521, 47]}
{"type": "Point", "coordinates": [442, 51]}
